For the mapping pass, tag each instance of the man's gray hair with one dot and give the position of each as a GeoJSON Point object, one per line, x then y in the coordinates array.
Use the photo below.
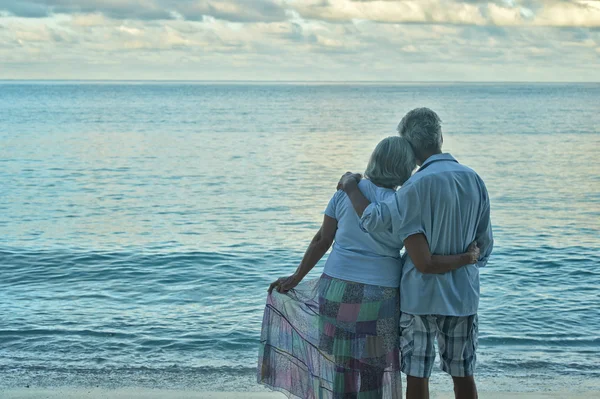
{"type": "Point", "coordinates": [392, 162]}
{"type": "Point", "coordinates": [423, 129]}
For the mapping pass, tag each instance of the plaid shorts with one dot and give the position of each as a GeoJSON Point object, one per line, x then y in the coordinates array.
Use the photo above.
{"type": "Point", "coordinates": [457, 341]}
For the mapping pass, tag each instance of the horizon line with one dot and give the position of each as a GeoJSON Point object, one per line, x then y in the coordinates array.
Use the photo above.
{"type": "Point", "coordinates": [290, 81]}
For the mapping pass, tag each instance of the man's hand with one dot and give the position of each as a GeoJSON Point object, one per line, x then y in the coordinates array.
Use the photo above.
{"type": "Point", "coordinates": [284, 284]}
{"type": "Point", "coordinates": [348, 179]}
{"type": "Point", "coordinates": [474, 252]}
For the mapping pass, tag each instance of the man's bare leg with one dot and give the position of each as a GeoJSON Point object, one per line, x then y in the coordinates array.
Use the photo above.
{"type": "Point", "coordinates": [464, 388]}
{"type": "Point", "coordinates": [417, 388]}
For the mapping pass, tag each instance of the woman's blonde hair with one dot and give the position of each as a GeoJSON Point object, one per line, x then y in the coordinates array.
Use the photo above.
{"type": "Point", "coordinates": [392, 162]}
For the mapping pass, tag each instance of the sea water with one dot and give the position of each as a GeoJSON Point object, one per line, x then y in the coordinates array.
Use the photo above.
{"type": "Point", "coordinates": [141, 222]}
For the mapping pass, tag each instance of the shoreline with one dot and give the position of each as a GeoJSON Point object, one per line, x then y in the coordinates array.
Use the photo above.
{"type": "Point", "coordinates": [144, 393]}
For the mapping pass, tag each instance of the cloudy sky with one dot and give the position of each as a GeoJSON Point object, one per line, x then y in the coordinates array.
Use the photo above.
{"type": "Point", "coordinates": [399, 40]}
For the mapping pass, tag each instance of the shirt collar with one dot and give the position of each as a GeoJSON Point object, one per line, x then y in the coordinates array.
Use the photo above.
{"type": "Point", "coordinates": [437, 158]}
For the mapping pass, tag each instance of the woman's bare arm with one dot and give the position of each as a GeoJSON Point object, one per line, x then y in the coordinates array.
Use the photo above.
{"type": "Point", "coordinates": [318, 247]}
{"type": "Point", "coordinates": [418, 249]}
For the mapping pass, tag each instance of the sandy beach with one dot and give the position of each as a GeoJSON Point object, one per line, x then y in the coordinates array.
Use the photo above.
{"type": "Point", "coordinates": [25, 393]}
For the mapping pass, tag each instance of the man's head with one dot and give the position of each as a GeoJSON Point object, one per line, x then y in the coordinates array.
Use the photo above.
{"type": "Point", "coordinates": [422, 128]}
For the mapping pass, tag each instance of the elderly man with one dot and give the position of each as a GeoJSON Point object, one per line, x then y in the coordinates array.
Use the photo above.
{"type": "Point", "coordinates": [449, 204]}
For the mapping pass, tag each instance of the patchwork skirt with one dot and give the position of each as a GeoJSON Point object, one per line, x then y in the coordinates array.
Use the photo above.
{"type": "Point", "coordinates": [332, 339]}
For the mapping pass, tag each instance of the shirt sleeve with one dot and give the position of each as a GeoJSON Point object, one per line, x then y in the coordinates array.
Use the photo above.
{"type": "Point", "coordinates": [401, 215]}
{"type": "Point", "coordinates": [484, 236]}
{"type": "Point", "coordinates": [376, 217]}
{"type": "Point", "coordinates": [330, 210]}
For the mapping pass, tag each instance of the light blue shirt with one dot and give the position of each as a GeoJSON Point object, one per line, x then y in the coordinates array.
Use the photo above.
{"type": "Point", "coordinates": [449, 203]}
{"type": "Point", "coordinates": [357, 256]}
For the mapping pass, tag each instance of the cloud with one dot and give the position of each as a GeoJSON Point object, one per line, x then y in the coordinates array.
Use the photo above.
{"type": "Point", "coordinates": [24, 8]}
{"type": "Point", "coordinates": [229, 10]}
{"type": "Point", "coordinates": [135, 9]}
{"type": "Point", "coordinates": [559, 13]}
{"type": "Point", "coordinates": [582, 13]}
{"type": "Point", "coordinates": [301, 39]}
{"type": "Point", "coordinates": [424, 11]}
{"type": "Point", "coordinates": [234, 11]}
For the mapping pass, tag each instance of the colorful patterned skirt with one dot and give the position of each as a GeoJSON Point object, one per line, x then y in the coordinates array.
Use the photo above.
{"type": "Point", "coordinates": [332, 339]}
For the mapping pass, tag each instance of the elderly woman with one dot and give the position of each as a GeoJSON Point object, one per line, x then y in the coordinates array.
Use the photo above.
{"type": "Point", "coordinates": [337, 336]}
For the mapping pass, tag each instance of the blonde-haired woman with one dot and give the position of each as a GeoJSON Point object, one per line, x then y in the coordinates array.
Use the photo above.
{"type": "Point", "coordinates": [337, 336]}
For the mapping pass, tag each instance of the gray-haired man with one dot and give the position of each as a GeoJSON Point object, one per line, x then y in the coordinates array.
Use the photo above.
{"type": "Point", "coordinates": [449, 204]}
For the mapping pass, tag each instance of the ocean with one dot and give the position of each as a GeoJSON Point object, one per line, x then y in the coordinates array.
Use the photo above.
{"type": "Point", "coordinates": [141, 222]}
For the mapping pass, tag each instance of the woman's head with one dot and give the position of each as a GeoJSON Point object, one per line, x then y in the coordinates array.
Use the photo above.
{"type": "Point", "coordinates": [391, 163]}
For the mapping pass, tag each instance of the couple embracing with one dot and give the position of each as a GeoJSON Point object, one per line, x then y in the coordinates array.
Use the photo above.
{"type": "Point", "coordinates": [373, 313]}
